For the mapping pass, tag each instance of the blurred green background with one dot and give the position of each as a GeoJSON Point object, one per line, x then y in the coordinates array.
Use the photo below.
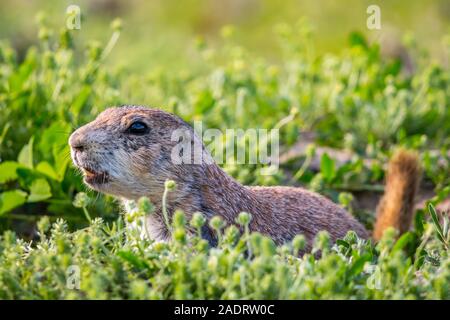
{"type": "Point", "coordinates": [162, 31]}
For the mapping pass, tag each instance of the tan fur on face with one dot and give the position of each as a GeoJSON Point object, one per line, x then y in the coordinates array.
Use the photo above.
{"type": "Point", "coordinates": [139, 166]}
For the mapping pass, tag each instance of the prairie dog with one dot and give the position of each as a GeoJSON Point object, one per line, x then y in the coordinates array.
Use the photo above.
{"type": "Point", "coordinates": [126, 152]}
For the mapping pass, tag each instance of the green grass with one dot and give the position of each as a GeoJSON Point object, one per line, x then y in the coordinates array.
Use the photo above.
{"type": "Point", "coordinates": [105, 262]}
{"type": "Point", "coordinates": [355, 100]}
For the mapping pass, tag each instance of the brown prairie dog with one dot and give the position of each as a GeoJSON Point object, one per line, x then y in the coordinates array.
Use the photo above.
{"type": "Point", "coordinates": [126, 152]}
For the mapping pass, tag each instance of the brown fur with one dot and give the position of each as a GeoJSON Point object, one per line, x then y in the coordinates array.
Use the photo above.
{"type": "Point", "coordinates": [396, 208]}
{"type": "Point", "coordinates": [137, 166]}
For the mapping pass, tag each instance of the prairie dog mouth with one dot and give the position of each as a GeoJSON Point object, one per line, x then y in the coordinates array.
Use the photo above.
{"type": "Point", "coordinates": [93, 177]}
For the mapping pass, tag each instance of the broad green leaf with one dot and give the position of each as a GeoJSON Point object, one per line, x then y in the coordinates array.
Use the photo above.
{"type": "Point", "coordinates": [80, 100]}
{"type": "Point", "coordinates": [26, 176]}
{"type": "Point", "coordinates": [45, 168]}
{"type": "Point", "coordinates": [62, 159]}
{"type": "Point", "coordinates": [11, 199]}
{"type": "Point", "coordinates": [402, 241]}
{"type": "Point", "coordinates": [26, 154]}
{"type": "Point", "coordinates": [358, 264]}
{"type": "Point", "coordinates": [18, 79]}
{"type": "Point", "coordinates": [55, 135]}
{"type": "Point", "coordinates": [39, 190]}
{"type": "Point", "coordinates": [8, 171]}
{"type": "Point", "coordinates": [327, 167]}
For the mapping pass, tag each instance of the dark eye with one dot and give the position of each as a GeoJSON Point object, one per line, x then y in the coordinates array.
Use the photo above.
{"type": "Point", "coordinates": [137, 128]}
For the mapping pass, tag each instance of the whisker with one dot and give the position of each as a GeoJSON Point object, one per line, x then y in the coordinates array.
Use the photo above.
{"type": "Point", "coordinates": [61, 145]}
{"type": "Point", "coordinates": [66, 156]}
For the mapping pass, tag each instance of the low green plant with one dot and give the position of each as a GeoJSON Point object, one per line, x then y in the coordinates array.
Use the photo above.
{"type": "Point", "coordinates": [113, 262]}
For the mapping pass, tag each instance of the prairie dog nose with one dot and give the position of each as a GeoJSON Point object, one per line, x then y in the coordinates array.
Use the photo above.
{"type": "Point", "coordinates": [76, 142]}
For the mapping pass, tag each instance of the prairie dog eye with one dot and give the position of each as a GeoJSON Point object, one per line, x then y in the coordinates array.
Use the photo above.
{"type": "Point", "coordinates": [137, 128]}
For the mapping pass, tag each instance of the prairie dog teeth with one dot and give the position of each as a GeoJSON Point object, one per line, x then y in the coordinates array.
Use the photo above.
{"type": "Point", "coordinates": [88, 173]}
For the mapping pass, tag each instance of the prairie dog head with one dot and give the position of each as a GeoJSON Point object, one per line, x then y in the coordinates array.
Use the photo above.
{"type": "Point", "coordinates": [128, 151]}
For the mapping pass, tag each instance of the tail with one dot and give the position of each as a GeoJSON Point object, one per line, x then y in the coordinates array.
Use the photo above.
{"type": "Point", "coordinates": [396, 208]}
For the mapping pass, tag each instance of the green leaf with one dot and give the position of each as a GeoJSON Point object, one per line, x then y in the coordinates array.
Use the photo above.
{"type": "Point", "coordinates": [436, 223]}
{"type": "Point", "coordinates": [11, 199]}
{"type": "Point", "coordinates": [327, 167]}
{"type": "Point", "coordinates": [8, 171]}
{"type": "Point", "coordinates": [4, 132]}
{"type": "Point", "coordinates": [62, 159]}
{"type": "Point", "coordinates": [204, 102]}
{"type": "Point", "coordinates": [402, 241]}
{"type": "Point", "coordinates": [45, 168]}
{"type": "Point", "coordinates": [132, 259]}
{"type": "Point", "coordinates": [358, 264]}
{"type": "Point", "coordinates": [26, 176]}
{"type": "Point", "coordinates": [18, 78]}
{"type": "Point", "coordinates": [26, 154]}
{"type": "Point", "coordinates": [55, 135]}
{"type": "Point", "coordinates": [419, 221]}
{"type": "Point", "coordinates": [80, 100]}
{"type": "Point", "coordinates": [39, 190]}
{"type": "Point", "coordinates": [343, 243]}
{"type": "Point", "coordinates": [358, 39]}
